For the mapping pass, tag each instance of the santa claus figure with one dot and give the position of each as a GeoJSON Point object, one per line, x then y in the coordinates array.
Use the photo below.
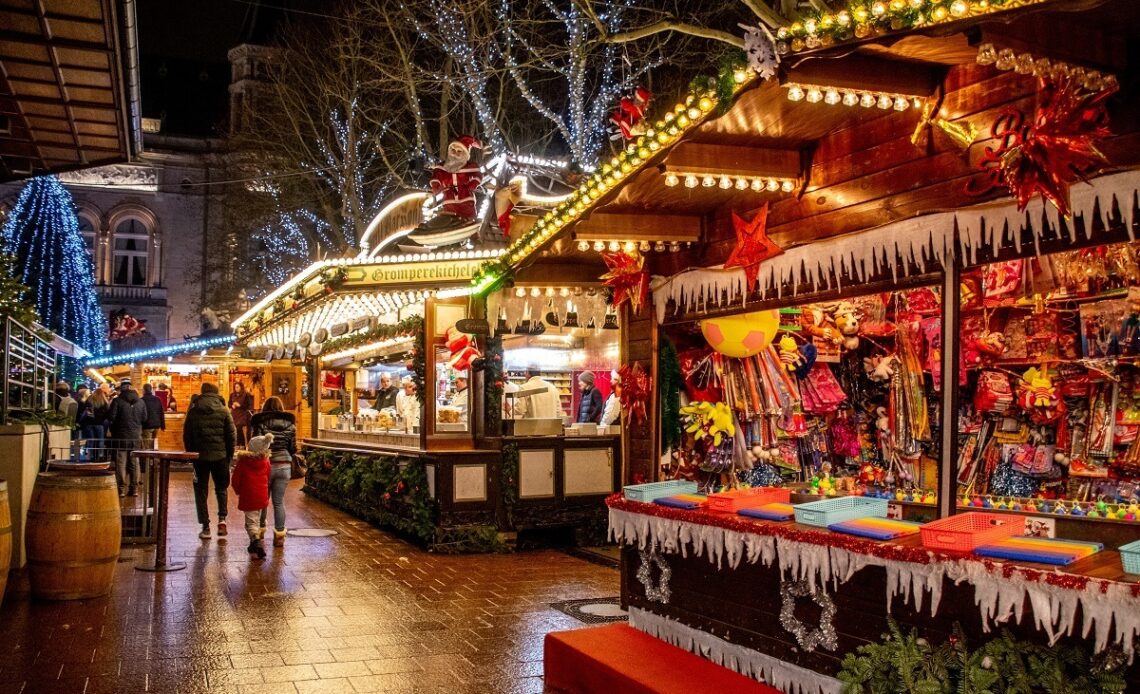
{"type": "Point", "coordinates": [457, 178]}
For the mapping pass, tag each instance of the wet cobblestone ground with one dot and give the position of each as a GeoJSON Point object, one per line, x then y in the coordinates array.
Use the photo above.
{"type": "Point", "coordinates": [362, 611]}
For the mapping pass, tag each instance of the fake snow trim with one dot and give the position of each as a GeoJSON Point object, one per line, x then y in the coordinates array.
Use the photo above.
{"type": "Point", "coordinates": [919, 244]}
{"type": "Point", "coordinates": [788, 678]}
{"type": "Point", "coordinates": [999, 594]}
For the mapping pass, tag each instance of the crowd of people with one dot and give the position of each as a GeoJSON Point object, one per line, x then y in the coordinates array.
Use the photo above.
{"type": "Point", "coordinates": [254, 451]}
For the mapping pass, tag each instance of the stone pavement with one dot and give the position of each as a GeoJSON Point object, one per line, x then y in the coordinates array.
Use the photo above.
{"type": "Point", "coordinates": [362, 611]}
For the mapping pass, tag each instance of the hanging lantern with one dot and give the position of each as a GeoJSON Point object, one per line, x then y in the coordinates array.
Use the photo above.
{"type": "Point", "coordinates": [741, 336]}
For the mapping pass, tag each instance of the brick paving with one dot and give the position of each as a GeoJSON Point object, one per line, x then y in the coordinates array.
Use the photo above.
{"type": "Point", "coordinates": [362, 611]}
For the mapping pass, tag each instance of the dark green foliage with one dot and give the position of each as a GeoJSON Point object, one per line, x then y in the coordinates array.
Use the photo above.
{"type": "Point", "coordinates": [509, 480]}
{"type": "Point", "coordinates": [669, 394]}
{"type": "Point", "coordinates": [493, 385]}
{"type": "Point", "coordinates": [908, 664]}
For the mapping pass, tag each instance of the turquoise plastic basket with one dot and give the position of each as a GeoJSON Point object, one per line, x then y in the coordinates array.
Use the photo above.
{"type": "Point", "coordinates": [1130, 557]}
{"type": "Point", "coordinates": [844, 508]}
{"type": "Point", "coordinates": [650, 491]}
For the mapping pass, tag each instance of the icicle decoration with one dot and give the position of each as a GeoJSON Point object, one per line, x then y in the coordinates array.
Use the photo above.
{"type": "Point", "coordinates": [999, 595]}
{"type": "Point", "coordinates": [788, 678]}
{"type": "Point", "coordinates": [918, 244]}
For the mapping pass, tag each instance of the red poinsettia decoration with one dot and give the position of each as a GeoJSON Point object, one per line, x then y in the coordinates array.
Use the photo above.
{"type": "Point", "coordinates": [627, 278]}
{"type": "Point", "coordinates": [1054, 151]}
{"type": "Point", "coordinates": [752, 245]}
{"type": "Point", "coordinates": [636, 389]}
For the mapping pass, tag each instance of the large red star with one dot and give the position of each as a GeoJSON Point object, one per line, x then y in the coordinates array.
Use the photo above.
{"type": "Point", "coordinates": [752, 245]}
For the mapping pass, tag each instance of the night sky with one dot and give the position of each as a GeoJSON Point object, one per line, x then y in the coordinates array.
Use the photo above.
{"type": "Point", "coordinates": [183, 45]}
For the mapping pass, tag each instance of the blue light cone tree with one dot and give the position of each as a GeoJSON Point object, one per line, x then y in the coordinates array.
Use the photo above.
{"type": "Point", "coordinates": [42, 231]}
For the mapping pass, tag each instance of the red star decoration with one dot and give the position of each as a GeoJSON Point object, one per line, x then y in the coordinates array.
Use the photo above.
{"type": "Point", "coordinates": [627, 278]}
{"type": "Point", "coordinates": [752, 245]}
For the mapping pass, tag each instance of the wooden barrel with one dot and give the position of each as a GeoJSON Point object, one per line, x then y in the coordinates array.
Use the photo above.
{"type": "Point", "coordinates": [73, 534]}
{"type": "Point", "coordinates": [5, 537]}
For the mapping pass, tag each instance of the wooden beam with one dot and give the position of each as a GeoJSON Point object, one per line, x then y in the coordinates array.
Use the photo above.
{"type": "Point", "coordinates": [638, 227]}
{"type": "Point", "coordinates": [696, 158]}
{"type": "Point", "coordinates": [868, 74]}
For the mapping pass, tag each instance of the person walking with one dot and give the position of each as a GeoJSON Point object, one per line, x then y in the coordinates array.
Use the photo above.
{"type": "Point", "coordinates": [209, 431]}
{"type": "Point", "coordinates": [155, 416]}
{"type": "Point", "coordinates": [126, 416]}
{"type": "Point", "coordinates": [241, 407]}
{"type": "Point", "coordinates": [274, 420]}
{"type": "Point", "coordinates": [251, 484]}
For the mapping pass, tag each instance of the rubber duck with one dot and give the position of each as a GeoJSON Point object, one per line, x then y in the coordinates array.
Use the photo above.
{"type": "Point", "coordinates": [900, 495]}
{"type": "Point", "coordinates": [1093, 513]}
{"type": "Point", "coordinates": [1031, 507]}
{"type": "Point", "coordinates": [930, 498]}
{"type": "Point", "coordinates": [987, 502]}
{"type": "Point", "coordinates": [1077, 510]}
{"type": "Point", "coordinates": [1001, 505]}
{"type": "Point", "coordinates": [1060, 509]}
{"type": "Point", "coordinates": [1015, 506]}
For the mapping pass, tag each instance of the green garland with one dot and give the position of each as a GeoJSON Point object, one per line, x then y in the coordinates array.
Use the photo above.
{"type": "Point", "coordinates": [412, 325]}
{"type": "Point", "coordinates": [419, 358]}
{"type": "Point", "coordinates": [385, 489]}
{"type": "Point", "coordinates": [509, 480]}
{"type": "Point", "coordinates": [670, 381]}
{"type": "Point", "coordinates": [493, 385]}
{"type": "Point", "coordinates": [908, 664]}
{"type": "Point", "coordinates": [14, 294]}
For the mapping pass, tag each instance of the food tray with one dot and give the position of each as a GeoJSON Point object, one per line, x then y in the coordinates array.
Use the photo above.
{"type": "Point", "coordinates": [1130, 557]}
{"type": "Point", "coordinates": [844, 508]}
{"type": "Point", "coordinates": [733, 501]}
{"type": "Point", "coordinates": [650, 491]}
{"type": "Point", "coordinates": [965, 532]}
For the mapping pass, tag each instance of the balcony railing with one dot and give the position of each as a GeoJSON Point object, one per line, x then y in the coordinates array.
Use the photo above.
{"type": "Point", "coordinates": [126, 293]}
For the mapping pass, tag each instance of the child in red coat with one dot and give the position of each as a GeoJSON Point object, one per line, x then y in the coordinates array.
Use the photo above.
{"type": "Point", "coordinates": [250, 479]}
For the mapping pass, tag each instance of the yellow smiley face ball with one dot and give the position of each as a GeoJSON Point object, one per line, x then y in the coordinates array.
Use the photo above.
{"type": "Point", "coordinates": [741, 336]}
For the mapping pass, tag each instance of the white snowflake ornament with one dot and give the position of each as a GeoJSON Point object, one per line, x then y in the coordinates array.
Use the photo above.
{"type": "Point", "coordinates": [760, 47]}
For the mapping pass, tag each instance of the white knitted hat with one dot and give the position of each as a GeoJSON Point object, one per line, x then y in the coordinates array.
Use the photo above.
{"type": "Point", "coordinates": [259, 445]}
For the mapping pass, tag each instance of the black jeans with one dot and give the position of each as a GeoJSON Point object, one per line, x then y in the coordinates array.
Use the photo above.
{"type": "Point", "coordinates": [203, 471]}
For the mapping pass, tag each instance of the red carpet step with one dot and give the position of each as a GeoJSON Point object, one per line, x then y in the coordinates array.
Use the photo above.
{"type": "Point", "coordinates": [619, 658]}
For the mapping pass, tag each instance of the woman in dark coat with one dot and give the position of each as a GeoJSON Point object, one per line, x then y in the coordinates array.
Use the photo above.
{"type": "Point", "coordinates": [241, 407]}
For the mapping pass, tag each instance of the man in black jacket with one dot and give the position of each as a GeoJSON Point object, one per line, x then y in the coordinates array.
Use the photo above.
{"type": "Point", "coordinates": [155, 416]}
{"type": "Point", "coordinates": [126, 417]}
{"type": "Point", "coordinates": [209, 431]}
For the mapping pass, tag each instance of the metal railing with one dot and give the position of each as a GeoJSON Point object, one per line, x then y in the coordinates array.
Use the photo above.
{"type": "Point", "coordinates": [29, 367]}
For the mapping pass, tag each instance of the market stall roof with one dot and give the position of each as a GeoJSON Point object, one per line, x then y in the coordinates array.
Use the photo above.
{"type": "Point", "coordinates": [68, 85]}
{"type": "Point", "coordinates": [852, 134]}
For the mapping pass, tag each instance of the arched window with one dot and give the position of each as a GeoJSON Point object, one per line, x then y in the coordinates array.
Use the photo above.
{"type": "Point", "coordinates": [132, 247]}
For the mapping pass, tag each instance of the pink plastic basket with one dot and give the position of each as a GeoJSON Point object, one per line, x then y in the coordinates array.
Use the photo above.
{"type": "Point", "coordinates": [967, 531]}
{"type": "Point", "coordinates": [733, 501]}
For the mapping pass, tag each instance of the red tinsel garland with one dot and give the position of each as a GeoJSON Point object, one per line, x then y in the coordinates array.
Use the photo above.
{"type": "Point", "coordinates": [882, 550]}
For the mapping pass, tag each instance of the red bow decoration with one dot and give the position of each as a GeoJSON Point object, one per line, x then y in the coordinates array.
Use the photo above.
{"type": "Point", "coordinates": [752, 245]}
{"type": "Point", "coordinates": [627, 278]}
{"type": "Point", "coordinates": [636, 389]}
{"type": "Point", "coordinates": [1052, 152]}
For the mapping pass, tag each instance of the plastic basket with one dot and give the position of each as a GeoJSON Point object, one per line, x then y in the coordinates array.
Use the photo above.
{"type": "Point", "coordinates": [650, 491]}
{"type": "Point", "coordinates": [733, 501]}
{"type": "Point", "coordinates": [1130, 557]}
{"type": "Point", "coordinates": [967, 531]}
{"type": "Point", "coordinates": [844, 508]}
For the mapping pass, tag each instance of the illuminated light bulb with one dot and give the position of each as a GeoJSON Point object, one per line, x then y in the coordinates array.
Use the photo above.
{"type": "Point", "coordinates": [629, 247]}
{"type": "Point", "coordinates": [653, 146]}
{"type": "Point", "coordinates": [694, 113]}
{"type": "Point", "coordinates": [674, 247]}
{"type": "Point", "coordinates": [958, 8]}
{"type": "Point", "coordinates": [940, 13]}
{"type": "Point", "coordinates": [757, 185]}
{"type": "Point", "coordinates": [1005, 59]}
{"type": "Point", "coordinates": [787, 186]}
{"type": "Point", "coordinates": [831, 97]}
{"type": "Point", "coordinates": [550, 291]}
{"type": "Point", "coordinates": [797, 27]}
{"type": "Point", "coordinates": [583, 246]}
{"type": "Point", "coordinates": [599, 246]}
{"type": "Point", "coordinates": [878, 9]}
{"type": "Point", "coordinates": [535, 291]}
{"type": "Point", "coordinates": [708, 181]}
{"type": "Point", "coordinates": [706, 104]}
{"type": "Point", "coordinates": [916, 4]}
{"type": "Point", "coordinates": [1023, 64]}
{"type": "Point", "coordinates": [564, 292]}
{"type": "Point", "coordinates": [782, 33]}
{"type": "Point", "coordinates": [626, 167]}
{"type": "Point", "coordinates": [814, 96]}
{"type": "Point", "coordinates": [1041, 68]}
{"type": "Point", "coordinates": [844, 18]}
{"type": "Point", "coordinates": [810, 26]}
{"type": "Point", "coordinates": [901, 103]}
{"type": "Point", "coordinates": [741, 184]}
{"type": "Point", "coordinates": [659, 246]}
{"type": "Point", "coordinates": [795, 93]}
{"type": "Point", "coordinates": [691, 181]}
{"type": "Point", "coordinates": [671, 179]}
{"type": "Point", "coordinates": [614, 246]}
{"type": "Point", "coordinates": [683, 121]}
{"type": "Point", "coordinates": [739, 76]}
{"type": "Point", "coordinates": [867, 100]}
{"type": "Point", "coordinates": [850, 98]}
{"type": "Point", "coordinates": [663, 137]}
{"type": "Point", "coordinates": [884, 101]}
{"type": "Point", "coordinates": [897, 5]}
{"type": "Point", "coordinates": [916, 102]}
{"type": "Point", "coordinates": [725, 182]}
